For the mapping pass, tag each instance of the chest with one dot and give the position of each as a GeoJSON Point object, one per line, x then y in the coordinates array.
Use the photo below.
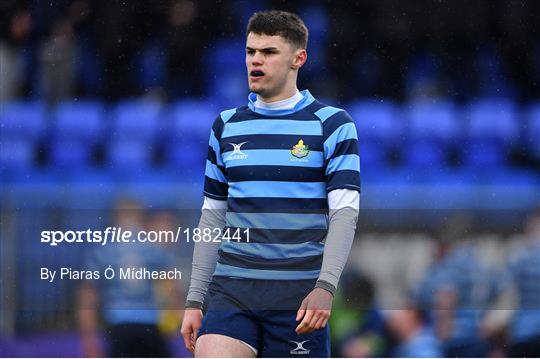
{"type": "Point", "coordinates": [278, 143]}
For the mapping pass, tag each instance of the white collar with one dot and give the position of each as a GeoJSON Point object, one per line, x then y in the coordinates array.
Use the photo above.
{"type": "Point", "coordinates": [285, 104]}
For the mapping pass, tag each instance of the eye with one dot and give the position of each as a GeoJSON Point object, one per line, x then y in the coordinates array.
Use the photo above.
{"type": "Point", "coordinates": [250, 52]}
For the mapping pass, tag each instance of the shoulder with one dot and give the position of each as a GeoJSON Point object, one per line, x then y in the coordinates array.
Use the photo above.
{"type": "Point", "coordinates": [331, 117]}
{"type": "Point", "coordinates": [226, 116]}
{"type": "Point", "coordinates": [329, 114]}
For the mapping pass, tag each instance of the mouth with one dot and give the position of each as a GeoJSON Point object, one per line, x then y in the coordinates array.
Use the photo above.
{"type": "Point", "coordinates": [256, 73]}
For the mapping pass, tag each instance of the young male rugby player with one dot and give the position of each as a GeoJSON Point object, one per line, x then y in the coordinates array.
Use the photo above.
{"type": "Point", "coordinates": [286, 166]}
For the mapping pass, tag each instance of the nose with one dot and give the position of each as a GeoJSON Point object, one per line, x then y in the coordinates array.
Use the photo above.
{"type": "Point", "coordinates": [257, 59]}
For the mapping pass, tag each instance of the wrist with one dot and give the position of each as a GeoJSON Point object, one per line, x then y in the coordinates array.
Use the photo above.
{"type": "Point", "coordinates": [192, 304]}
{"type": "Point", "coordinates": [326, 286]}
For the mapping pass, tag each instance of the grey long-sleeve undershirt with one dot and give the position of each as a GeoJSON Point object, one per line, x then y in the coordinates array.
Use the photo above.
{"type": "Point", "coordinates": [338, 242]}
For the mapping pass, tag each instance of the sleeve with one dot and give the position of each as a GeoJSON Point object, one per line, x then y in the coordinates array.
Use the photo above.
{"type": "Point", "coordinates": [215, 180]}
{"type": "Point", "coordinates": [341, 153]}
{"type": "Point", "coordinates": [343, 215]}
{"type": "Point", "coordinates": [205, 254]}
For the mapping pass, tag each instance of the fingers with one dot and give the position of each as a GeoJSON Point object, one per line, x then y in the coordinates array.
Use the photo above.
{"type": "Point", "coordinates": [321, 323]}
{"type": "Point", "coordinates": [314, 320]}
{"type": "Point", "coordinates": [186, 334]}
{"type": "Point", "coordinates": [189, 333]}
{"type": "Point", "coordinates": [304, 324]}
{"type": "Point", "coordinates": [301, 310]}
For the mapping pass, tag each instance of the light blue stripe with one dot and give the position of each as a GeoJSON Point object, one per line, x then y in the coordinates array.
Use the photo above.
{"type": "Point", "coordinates": [273, 158]}
{"type": "Point", "coordinates": [277, 220]}
{"type": "Point", "coordinates": [273, 127]}
{"type": "Point", "coordinates": [277, 189]}
{"type": "Point", "coordinates": [326, 112]}
{"type": "Point", "coordinates": [347, 131]}
{"type": "Point", "coordinates": [341, 163]}
{"type": "Point", "coordinates": [214, 172]}
{"type": "Point", "coordinates": [214, 143]}
{"type": "Point", "coordinates": [230, 271]}
{"type": "Point", "coordinates": [274, 250]}
{"type": "Point", "coordinates": [227, 114]}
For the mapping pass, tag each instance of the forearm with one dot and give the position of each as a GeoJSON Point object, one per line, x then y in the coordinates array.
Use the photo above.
{"type": "Point", "coordinates": [205, 254]}
{"type": "Point", "coordinates": [343, 216]}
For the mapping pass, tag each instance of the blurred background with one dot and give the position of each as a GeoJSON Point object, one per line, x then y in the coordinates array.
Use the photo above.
{"type": "Point", "coordinates": [105, 113]}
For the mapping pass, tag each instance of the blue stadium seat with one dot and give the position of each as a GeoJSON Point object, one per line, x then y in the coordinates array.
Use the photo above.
{"type": "Point", "coordinates": [425, 155]}
{"type": "Point", "coordinates": [226, 55]}
{"type": "Point", "coordinates": [188, 135]}
{"type": "Point", "coordinates": [136, 120]}
{"type": "Point", "coordinates": [492, 119]}
{"type": "Point", "coordinates": [533, 130]}
{"type": "Point", "coordinates": [192, 117]}
{"type": "Point", "coordinates": [151, 66]}
{"type": "Point", "coordinates": [480, 155]}
{"type": "Point", "coordinates": [491, 130]}
{"type": "Point", "coordinates": [372, 155]}
{"type": "Point", "coordinates": [316, 19]}
{"type": "Point", "coordinates": [378, 131]}
{"type": "Point", "coordinates": [78, 127]}
{"type": "Point", "coordinates": [433, 121]}
{"type": "Point", "coordinates": [432, 130]}
{"type": "Point", "coordinates": [16, 155]}
{"type": "Point", "coordinates": [189, 158]}
{"type": "Point", "coordinates": [22, 120]}
{"type": "Point", "coordinates": [225, 72]}
{"type": "Point", "coordinates": [377, 120]}
{"type": "Point", "coordinates": [129, 156]}
{"type": "Point", "coordinates": [229, 87]}
{"type": "Point", "coordinates": [70, 154]}
{"type": "Point", "coordinates": [79, 120]}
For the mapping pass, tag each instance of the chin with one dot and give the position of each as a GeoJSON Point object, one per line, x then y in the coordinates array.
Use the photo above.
{"type": "Point", "coordinates": [256, 89]}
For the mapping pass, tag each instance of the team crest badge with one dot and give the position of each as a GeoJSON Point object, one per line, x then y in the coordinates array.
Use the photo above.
{"type": "Point", "coordinates": [300, 150]}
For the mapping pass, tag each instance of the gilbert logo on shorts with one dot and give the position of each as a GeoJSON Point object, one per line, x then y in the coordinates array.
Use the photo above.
{"type": "Point", "coordinates": [237, 153]}
{"type": "Point", "coordinates": [299, 350]}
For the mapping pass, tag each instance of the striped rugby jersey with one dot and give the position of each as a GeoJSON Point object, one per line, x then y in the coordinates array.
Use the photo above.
{"type": "Point", "coordinates": [275, 168]}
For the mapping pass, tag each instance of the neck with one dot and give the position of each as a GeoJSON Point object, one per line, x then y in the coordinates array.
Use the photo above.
{"type": "Point", "coordinates": [285, 93]}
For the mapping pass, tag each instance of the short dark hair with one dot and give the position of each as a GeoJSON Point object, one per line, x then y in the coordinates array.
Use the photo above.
{"type": "Point", "coordinates": [282, 23]}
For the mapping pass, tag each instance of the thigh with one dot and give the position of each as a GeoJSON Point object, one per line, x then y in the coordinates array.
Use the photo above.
{"type": "Point", "coordinates": [226, 317]}
{"type": "Point", "coordinates": [279, 338]}
{"type": "Point", "coordinates": [217, 345]}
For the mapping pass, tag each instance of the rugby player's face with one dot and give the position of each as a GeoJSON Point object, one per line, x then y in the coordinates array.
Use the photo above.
{"type": "Point", "coordinates": [268, 61]}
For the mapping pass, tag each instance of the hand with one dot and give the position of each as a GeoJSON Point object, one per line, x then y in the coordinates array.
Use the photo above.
{"type": "Point", "coordinates": [315, 311]}
{"type": "Point", "coordinates": [190, 327]}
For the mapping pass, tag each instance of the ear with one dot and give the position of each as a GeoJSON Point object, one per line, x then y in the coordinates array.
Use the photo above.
{"type": "Point", "coordinates": [299, 59]}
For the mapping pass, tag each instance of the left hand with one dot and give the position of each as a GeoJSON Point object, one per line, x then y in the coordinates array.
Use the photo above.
{"type": "Point", "coordinates": [315, 311]}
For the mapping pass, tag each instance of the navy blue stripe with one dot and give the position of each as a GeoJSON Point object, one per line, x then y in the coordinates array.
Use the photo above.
{"type": "Point", "coordinates": [217, 127]}
{"type": "Point", "coordinates": [287, 236]}
{"type": "Point", "coordinates": [271, 142]}
{"type": "Point", "coordinates": [347, 147]}
{"type": "Point", "coordinates": [212, 155]}
{"type": "Point", "coordinates": [315, 106]}
{"type": "Point", "coordinates": [330, 125]}
{"type": "Point", "coordinates": [292, 264]}
{"type": "Point", "coordinates": [278, 205]}
{"type": "Point", "coordinates": [215, 189]}
{"type": "Point", "coordinates": [306, 113]}
{"type": "Point", "coordinates": [276, 173]}
{"type": "Point", "coordinates": [340, 179]}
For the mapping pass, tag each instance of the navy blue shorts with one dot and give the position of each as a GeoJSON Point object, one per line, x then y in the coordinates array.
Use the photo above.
{"type": "Point", "coordinates": [262, 313]}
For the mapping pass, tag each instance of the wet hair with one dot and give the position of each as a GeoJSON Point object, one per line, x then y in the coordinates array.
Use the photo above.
{"type": "Point", "coordinates": [282, 23]}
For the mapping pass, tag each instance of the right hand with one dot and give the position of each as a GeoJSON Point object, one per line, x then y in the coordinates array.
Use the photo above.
{"type": "Point", "coordinates": [190, 327]}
